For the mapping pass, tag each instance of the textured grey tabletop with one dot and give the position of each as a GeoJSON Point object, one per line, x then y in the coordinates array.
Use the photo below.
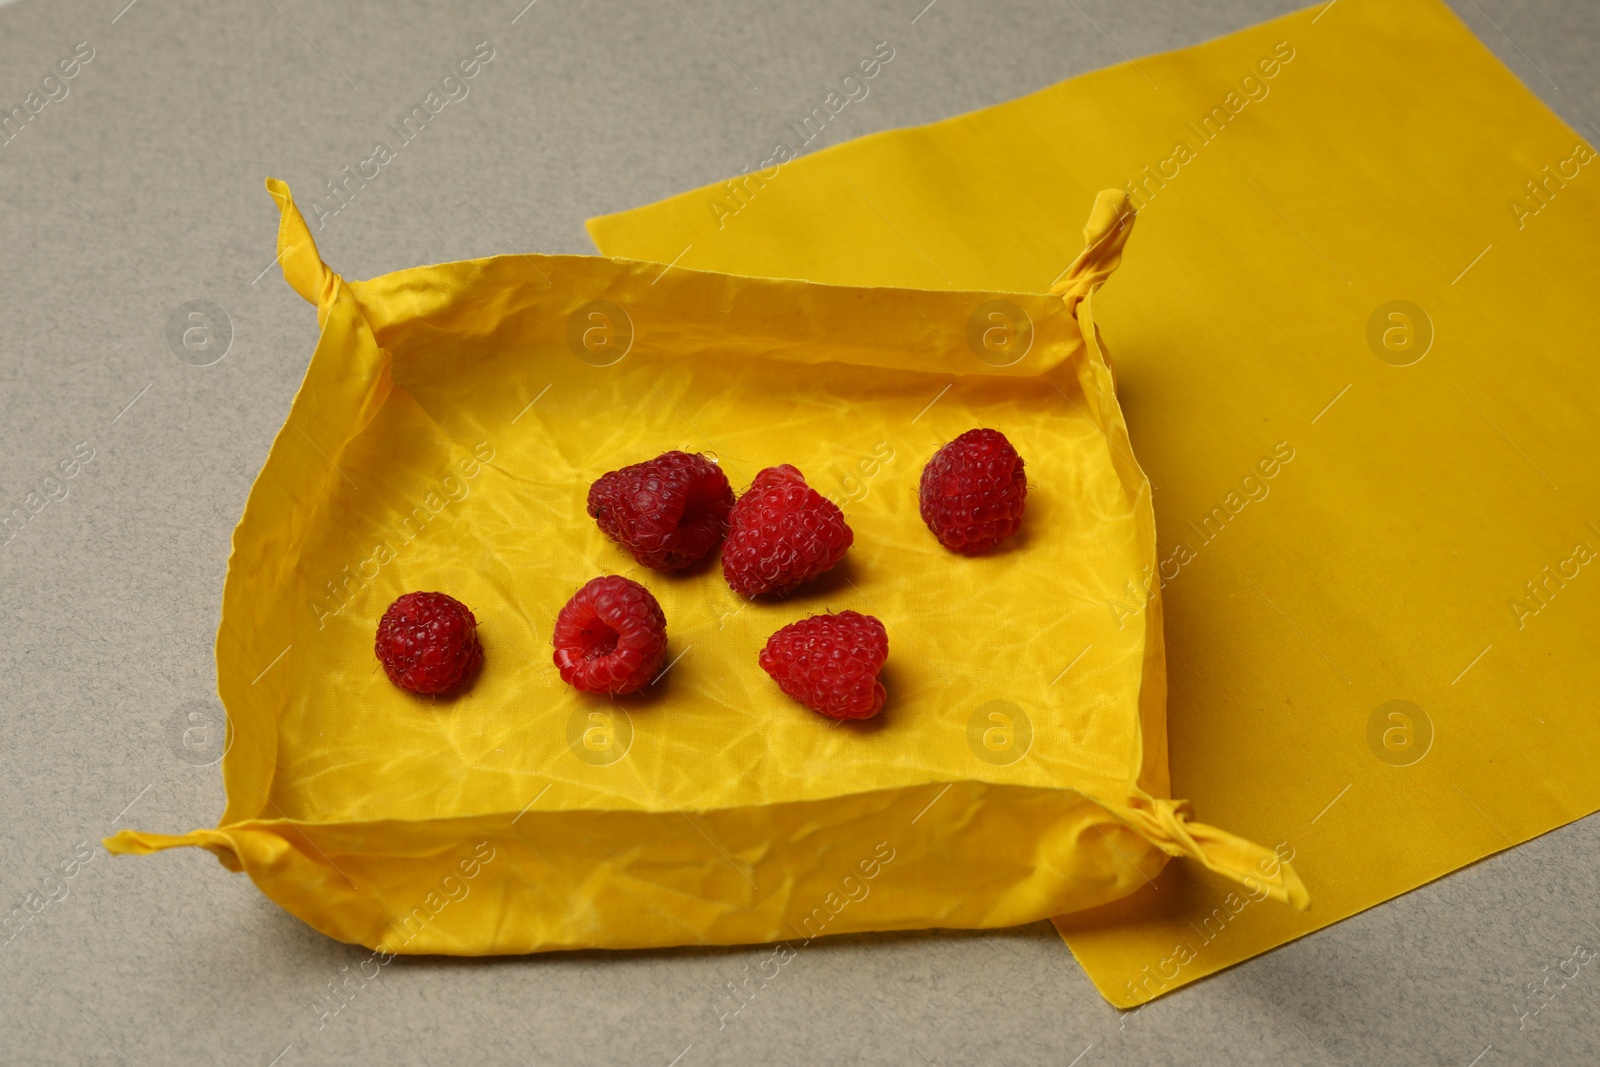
{"type": "Point", "coordinates": [136, 188]}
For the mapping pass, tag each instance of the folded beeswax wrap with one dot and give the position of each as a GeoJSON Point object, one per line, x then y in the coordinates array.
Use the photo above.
{"type": "Point", "coordinates": [445, 436]}
{"type": "Point", "coordinates": [1356, 352]}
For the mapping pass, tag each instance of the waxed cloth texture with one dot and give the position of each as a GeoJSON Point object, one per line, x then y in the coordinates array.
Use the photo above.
{"type": "Point", "coordinates": [450, 423]}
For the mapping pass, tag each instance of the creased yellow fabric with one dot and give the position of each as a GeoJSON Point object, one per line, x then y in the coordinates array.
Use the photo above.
{"type": "Point", "coordinates": [450, 423]}
{"type": "Point", "coordinates": [1358, 502]}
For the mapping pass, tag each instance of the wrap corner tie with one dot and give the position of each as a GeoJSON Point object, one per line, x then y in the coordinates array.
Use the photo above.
{"type": "Point", "coordinates": [303, 267]}
{"type": "Point", "coordinates": [139, 843]}
{"type": "Point", "coordinates": [1167, 824]}
{"type": "Point", "coordinates": [1105, 234]}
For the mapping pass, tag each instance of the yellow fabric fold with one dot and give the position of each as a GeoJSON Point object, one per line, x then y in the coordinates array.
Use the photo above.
{"type": "Point", "coordinates": [302, 266]}
{"type": "Point", "coordinates": [1168, 825]}
{"type": "Point", "coordinates": [135, 843]}
{"type": "Point", "coordinates": [1104, 236]}
{"type": "Point", "coordinates": [1354, 351]}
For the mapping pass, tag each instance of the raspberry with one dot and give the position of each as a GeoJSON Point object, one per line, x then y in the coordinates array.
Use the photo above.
{"type": "Point", "coordinates": [973, 492]}
{"type": "Point", "coordinates": [611, 637]}
{"type": "Point", "coordinates": [428, 643]}
{"type": "Point", "coordinates": [781, 533]}
{"type": "Point", "coordinates": [830, 663]}
{"type": "Point", "coordinates": [669, 512]}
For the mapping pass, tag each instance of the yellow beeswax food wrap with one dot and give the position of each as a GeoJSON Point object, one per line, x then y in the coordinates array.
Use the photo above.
{"type": "Point", "coordinates": [445, 436]}
{"type": "Point", "coordinates": [1356, 353]}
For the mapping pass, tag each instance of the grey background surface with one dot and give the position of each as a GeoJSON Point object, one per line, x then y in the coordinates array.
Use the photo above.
{"type": "Point", "coordinates": [141, 190]}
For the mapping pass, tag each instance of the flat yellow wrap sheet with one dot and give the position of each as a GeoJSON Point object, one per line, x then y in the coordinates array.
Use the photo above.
{"type": "Point", "coordinates": [450, 423]}
{"type": "Point", "coordinates": [1367, 256]}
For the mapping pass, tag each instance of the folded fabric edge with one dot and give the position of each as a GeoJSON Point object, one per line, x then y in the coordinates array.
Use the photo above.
{"type": "Point", "coordinates": [138, 843]}
{"type": "Point", "coordinates": [1166, 824]}
{"type": "Point", "coordinates": [308, 275]}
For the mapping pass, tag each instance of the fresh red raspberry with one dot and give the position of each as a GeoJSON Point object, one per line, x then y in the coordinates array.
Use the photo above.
{"type": "Point", "coordinates": [669, 511]}
{"type": "Point", "coordinates": [830, 663]}
{"type": "Point", "coordinates": [781, 533]}
{"type": "Point", "coordinates": [428, 643]}
{"type": "Point", "coordinates": [611, 637]}
{"type": "Point", "coordinates": [973, 492]}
